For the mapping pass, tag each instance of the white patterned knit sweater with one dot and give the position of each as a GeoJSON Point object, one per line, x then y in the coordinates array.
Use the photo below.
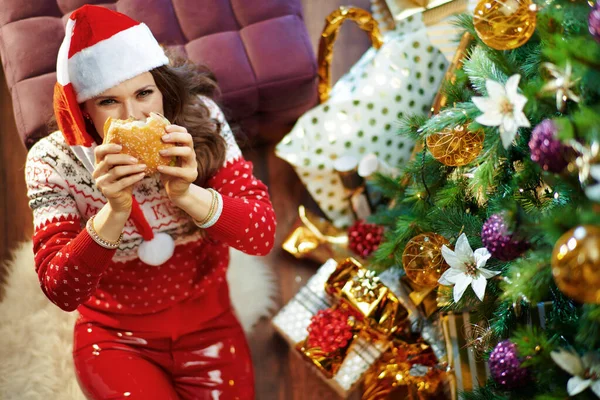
{"type": "Point", "coordinates": [76, 273]}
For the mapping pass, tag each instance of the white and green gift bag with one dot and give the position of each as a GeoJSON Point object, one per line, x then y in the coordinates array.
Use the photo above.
{"type": "Point", "coordinates": [361, 115]}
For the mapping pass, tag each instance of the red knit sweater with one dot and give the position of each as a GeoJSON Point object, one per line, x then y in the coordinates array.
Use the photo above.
{"type": "Point", "coordinates": [76, 273]}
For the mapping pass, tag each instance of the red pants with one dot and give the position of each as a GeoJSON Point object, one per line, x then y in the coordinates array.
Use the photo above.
{"type": "Point", "coordinates": [195, 350]}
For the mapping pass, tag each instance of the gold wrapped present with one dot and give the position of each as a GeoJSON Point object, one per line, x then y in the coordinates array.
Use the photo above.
{"type": "Point", "coordinates": [409, 370]}
{"type": "Point", "coordinates": [372, 313]}
{"type": "Point", "coordinates": [360, 289]}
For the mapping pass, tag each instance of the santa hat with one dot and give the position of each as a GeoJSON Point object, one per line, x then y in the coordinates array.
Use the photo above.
{"type": "Point", "coordinates": [101, 49]}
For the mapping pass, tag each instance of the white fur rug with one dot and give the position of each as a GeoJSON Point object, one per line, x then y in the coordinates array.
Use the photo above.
{"type": "Point", "coordinates": [36, 336]}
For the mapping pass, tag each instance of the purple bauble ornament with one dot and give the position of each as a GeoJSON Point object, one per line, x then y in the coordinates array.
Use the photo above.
{"type": "Point", "coordinates": [505, 366]}
{"type": "Point", "coordinates": [499, 242]}
{"type": "Point", "coordinates": [546, 149]}
{"type": "Point", "coordinates": [594, 22]}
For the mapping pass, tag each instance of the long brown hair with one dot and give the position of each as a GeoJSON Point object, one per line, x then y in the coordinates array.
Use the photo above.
{"type": "Point", "coordinates": [181, 83]}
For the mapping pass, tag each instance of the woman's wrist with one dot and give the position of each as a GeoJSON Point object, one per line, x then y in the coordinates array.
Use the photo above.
{"type": "Point", "coordinates": [198, 202]}
{"type": "Point", "coordinates": [214, 213]}
{"type": "Point", "coordinates": [108, 224]}
{"type": "Point", "coordinates": [111, 245]}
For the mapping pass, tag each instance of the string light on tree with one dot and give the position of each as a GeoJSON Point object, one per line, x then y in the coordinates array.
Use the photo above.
{"type": "Point", "coordinates": [505, 24]}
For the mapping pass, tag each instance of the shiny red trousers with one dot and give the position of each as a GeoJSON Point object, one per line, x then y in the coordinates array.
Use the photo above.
{"type": "Point", "coordinates": [195, 350]}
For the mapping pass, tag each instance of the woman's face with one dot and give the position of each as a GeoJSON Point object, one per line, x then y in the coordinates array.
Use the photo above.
{"type": "Point", "coordinates": [136, 98]}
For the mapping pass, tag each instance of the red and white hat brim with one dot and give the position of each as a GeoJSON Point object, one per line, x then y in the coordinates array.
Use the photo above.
{"type": "Point", "coordinates": [109, 62]}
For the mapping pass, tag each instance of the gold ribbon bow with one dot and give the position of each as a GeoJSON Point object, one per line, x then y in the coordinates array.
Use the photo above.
{"type": "Point", "coordinates": [316, 239]}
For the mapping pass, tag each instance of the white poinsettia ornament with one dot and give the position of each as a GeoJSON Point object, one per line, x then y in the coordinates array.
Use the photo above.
{"type": "Point", "coordinates": [503, 108]}
{"type": "Point", "coordinates": [466, 268]}
{"type": "Point", "coordinates": [585, 370]}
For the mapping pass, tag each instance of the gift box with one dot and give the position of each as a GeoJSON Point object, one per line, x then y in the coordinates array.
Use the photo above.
{"type": "Point", "coordinates": [468, 370]}
{"type": "Point", "coordinates": [376, 315]}
{"type": "Point", "coordinates": [407, 370]}
{"type": "Point", "coordinates": [418, 303]}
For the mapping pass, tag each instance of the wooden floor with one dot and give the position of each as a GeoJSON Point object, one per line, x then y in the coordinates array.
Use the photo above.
{"type": "Point", "coordinates": [279, 372]}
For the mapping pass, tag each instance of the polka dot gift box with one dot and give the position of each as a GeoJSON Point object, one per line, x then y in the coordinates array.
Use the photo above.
{"type": "Point", "coordinates": [361, 115]}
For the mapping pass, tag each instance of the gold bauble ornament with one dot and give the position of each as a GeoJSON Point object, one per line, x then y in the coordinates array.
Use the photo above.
{"type": "Point", "coordinates": [456, 146]}
{"type": "Point", "coordinates": [505, 24]}
{"type": "Point", "coordinates": [576, 264]}
{"type": "Point", "coordinates": [422, 259]}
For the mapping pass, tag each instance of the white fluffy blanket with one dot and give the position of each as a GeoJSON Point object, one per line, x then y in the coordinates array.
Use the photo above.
{"type": "Point", "coordinates": [36, 336]}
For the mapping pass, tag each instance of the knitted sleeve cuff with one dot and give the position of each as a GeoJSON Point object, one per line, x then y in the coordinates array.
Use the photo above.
{"type": "Point", "coordinates": [233, 218]}
{"type": "Point", "coordinates": [84, 250]}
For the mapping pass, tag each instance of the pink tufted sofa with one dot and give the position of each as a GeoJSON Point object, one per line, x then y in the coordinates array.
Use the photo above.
{"type": "Point", "coordinates": [258, 49]}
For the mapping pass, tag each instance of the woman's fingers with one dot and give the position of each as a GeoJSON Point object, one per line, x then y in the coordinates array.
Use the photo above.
{"type": "Point", "coordinates": [178, 136]}
{"type": "Point", "coordinates": [119, 172]}
{"type": "Point", "coordinates": [187, 174]}
{"type": "Point", "coordinates": [102, 150]}
{"type": "Point", "coordinates": [121, 184]}
{"type": "Point", "coordinates": [177, 151]}
{"type": "Point", "coordinates": [175, 128]}
{"type": "Point", "coordinates": [109, 161]}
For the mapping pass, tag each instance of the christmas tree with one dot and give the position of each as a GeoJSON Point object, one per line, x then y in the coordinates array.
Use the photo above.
{"type": "Point", "coordinates": [499, 210]}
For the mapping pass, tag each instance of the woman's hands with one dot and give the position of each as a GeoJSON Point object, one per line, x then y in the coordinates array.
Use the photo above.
{"type": "Point", "coordinates": [115, 174]}
{"type": "Point", "coordinates": [177, 180]}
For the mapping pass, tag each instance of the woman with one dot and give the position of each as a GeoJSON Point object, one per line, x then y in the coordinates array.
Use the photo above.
{"type": "Point", "coordinates": [142, 258]}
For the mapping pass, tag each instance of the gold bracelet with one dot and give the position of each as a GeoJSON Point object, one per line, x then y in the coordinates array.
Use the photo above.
{"type": "Point", "coordinates": [212, 210]}
{"type": "Point", "coordinates": [94, 235]}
